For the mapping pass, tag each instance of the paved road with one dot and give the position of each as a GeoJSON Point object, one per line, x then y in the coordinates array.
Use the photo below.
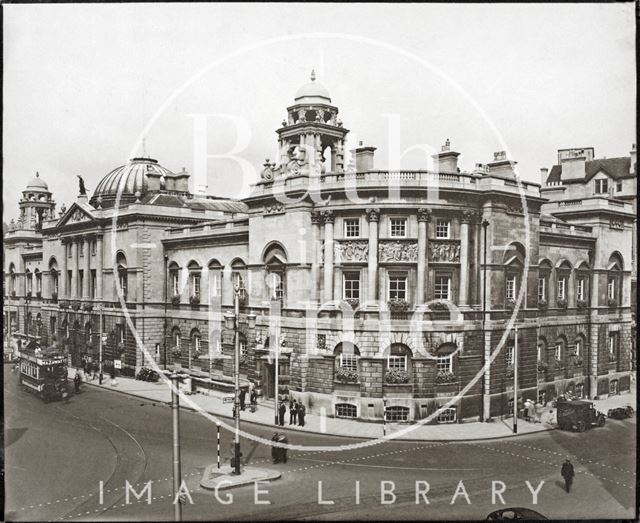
{"type": "Point", "coordinates": [57, 454]}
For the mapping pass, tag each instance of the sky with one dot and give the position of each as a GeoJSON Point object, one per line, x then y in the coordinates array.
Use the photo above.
{"type": "Point", "coordinates": [83, 84]}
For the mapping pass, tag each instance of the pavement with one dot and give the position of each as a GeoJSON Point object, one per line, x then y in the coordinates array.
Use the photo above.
{"type": "Point", "coordinates": [215, 478]}
{"type": "Point", "coordinates": [212, 403]}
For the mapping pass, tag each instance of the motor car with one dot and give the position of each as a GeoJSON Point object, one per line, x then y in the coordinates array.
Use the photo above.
{"type": "Point", "coordinates": [516, 513]}
{"type": "Point", "coordinates": [578, 415]}
{"type": "Point", "coordinates": [620, 412]}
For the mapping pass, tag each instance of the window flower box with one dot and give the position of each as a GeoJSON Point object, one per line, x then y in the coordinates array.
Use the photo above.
{"type": "Point", "coordinates": [562, 303]}
{"type": "Point", "coordinates": [611, 358]}
{"type": "Point", "coordinates": [194, 299]}
{"type": "Point", "coordinates": [13, 294]}
{"type": "Point", "coordinates": [558, 364]}
{"type": "Point", "coordinates": [397, 305]}
{"type": "Point", "coordinates": [439, 306]}
{"type": "Point", "coordinates": [581, 304]}
{"type": "Point", "coordinates": [444, 377]}
{"type": "Point", "coordinates": [396, 377]}
{"type": "Point", "coordinates": [543, 366]}
{"type": "Point", "coordinates": [176, 353]}
{"type": "Point", "coordinates": [87, 307]}
{"type": "Point", "coordinates": [39, 294]}
{"type": "Point", "coordinates": [612, 302]}
{"type": "Point", "coordinates": [175, 299]}
{"type": "Point", "coordinates": [354, 302]}
{"type": "Point", "coordinates": [75, 305]}
{"type": "Point", "coordinates": [54, 296]}
{"type": "Point", "coordinates": [346, 375]}
{"type": "Point", "coordinates": [577, 360]}
{"type": "Point", "coordinates": [63, 304]}
{"type": "Point", "coordinates": [543, 305]}
{"type": "Point", "coordinates": [509, 371]}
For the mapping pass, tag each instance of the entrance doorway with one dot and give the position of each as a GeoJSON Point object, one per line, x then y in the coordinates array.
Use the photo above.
{"type": "Point", "coordinates": [268, 378]}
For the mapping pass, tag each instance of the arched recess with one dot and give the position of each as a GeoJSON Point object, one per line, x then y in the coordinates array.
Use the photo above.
{"type": "Point", "coordinates": [195, 339]}
{"type": "Point", "coordinates": [54, 278]}
{"type": "Point", "coordinates": [123, 277]}
{"type": "Point", "coordinates": [513, 264]}
{"type": "Point", "coordinates": [398, 363]}
{"type": "Point", "coordinates": [215, 279]}
{"type": "Point", "coordinates": [239, 277]}
{"type": "Point", "coordinates": [275, 261]}
{"type": "Point", "coordinates": [544, 274]}
{"type": "Point", "coordinates": [174, 280]}
{"type": "Point", "coordinates": [195, 279]}
{"type": "Point", "coordinates": [445, 358]}
{"type": "Point", "coordinates": [563, 273]}
{"type": "Point", "coordinates": [615, 266]}
{"type": "Point", "coordinates": [347, 356]}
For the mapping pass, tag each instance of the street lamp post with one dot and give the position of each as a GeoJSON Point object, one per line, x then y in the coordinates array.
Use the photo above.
{"type": "Point", "coordinates": [232, 321]}
{"type": "Point", "coordinates": [164, 325]}
{"type": "Point", "coordinates": [485, 224]}
{"type": "Point", "coordinates": [100, 346]}
{"type": "Point", "coordinates": [515, 383]}
{"type": "Point", "coordinates": [177, 476]}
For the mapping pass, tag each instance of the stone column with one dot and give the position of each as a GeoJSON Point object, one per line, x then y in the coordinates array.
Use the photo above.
{"type": "Point", "coordinates": [76, 266]}
{"type": "Point", "coordinates": [316, 217]}
{"type": "Point", "coordinates": [594, 285]}
{"type": "Point", "coordinates": [424, 216]}
{"type": "Point", "coordinates": [373, 215]}
{"type": "Point", "coordinates": [328, 217]}
{"type": "Point", "coordinates": [464, 257]}
{"type": "Point", "coordinates": [87, 268]}
{"type": "Point", "coordinates": [62, 282]}
{"type": "Point", "coordinates": [99, 266]}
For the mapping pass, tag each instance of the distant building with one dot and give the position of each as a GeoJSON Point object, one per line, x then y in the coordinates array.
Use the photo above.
{"type": "Point", "coordinates": [365, 284]}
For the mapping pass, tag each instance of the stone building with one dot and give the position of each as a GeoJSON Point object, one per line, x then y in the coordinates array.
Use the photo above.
{"type": "Point", "coordinates": [376, 289]}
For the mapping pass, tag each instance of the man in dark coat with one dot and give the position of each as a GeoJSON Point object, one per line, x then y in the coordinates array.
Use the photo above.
{"type": "Point", "coordinates": [243, 394]}
{"type": "Point", "coordinates": [301, 413]}
{"type": "Point", "coordinates": [253, 397]}
{"type": "Point", "coordinates": [281, 412]}
{"type": "Point", "coordinates": [567, 473]}
{"type": "Point", "coordinates": [76, 382]}
{"type": "Point", "coordinates": [293, 412]}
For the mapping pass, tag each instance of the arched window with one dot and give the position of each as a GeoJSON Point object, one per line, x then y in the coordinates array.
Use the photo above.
{"type": "Point", "coordinates": [195, 278]}
{"type": "Point", "coordinates": [52, 327]}
{"type": "Point", "coordinates": [399, 357]}
{"type": "Point", "coordinates": [38, 324]}
{"type": "Point", "coordinates": [513, 262]}
{"type": "Point", "coordinates": [175, 339]}
{"type": "Point", "coordinates": [347, 355]}
{"type": "Point", "coordinates": [444, 358]}
{"type": "Point", "coordinates": [559, 349]}
{"type": "Point", "coordinates": [614, 279]}
{"type": "Point", "coordinates": [544, 271]}
{"type": "Point", "coordinates": [215, 279]}
{"type": "Point", "coordinates": [582, 284]}
{"type": "Point", "coordinates": [29, 323]}
{"type": "Point", "coordinates": [238, 275]}
{"type": "Point", "coordinates": [12, 279]}
{"type": "Point", "coordinates": [54, 278]}
{"type": "Point", "coordinates": [123, 279]}
{"type": "Point", "coordinates": [542, 350]}
{"type": "Point", "coordinates": [242, 341]}
{"type": "Point", "coordinates": [196, 343]}
{"type": "Point", "coordinates": [88, 332]}
{"type": "Point", "coordinates": [563, 271]}
{"type": "Point", "coordinates": [28, 282]}
{"type": "Point", "coordinates": [275, 260]}
{"type": "Point", "coordinates": [38, 277]}
{"type": "Point", "coordinates": [174, 280]}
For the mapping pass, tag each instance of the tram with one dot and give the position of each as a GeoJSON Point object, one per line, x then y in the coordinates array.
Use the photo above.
{"type": "Point", "coordinates": [43, 372]}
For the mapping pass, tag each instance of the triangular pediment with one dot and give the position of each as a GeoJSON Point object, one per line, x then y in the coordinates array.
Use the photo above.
{"type": "Point", "coordinates": [77, 214]}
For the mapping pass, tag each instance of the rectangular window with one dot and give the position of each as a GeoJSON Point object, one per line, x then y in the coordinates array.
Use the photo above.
{"type": "Point", "coordinates": [346, 410]}
{"type": "Point", "coordinates": [510, 291]}
{"type": "Point", "coordinates": [352, 228]}
{"type": "Point", "coordinates": [69, 280]}
{"type": "Point", "coordinates": [39, 283]}
{"type": "Point", "coordinates": [447, 415]}
{"type": "Point", "coordinates": [509, 356]}
{"type": "Point", "coordinates": [580, 289]}
{"type": "Point", "coordinates": [94, 247]}
{"type": "Point", "coordinates": [351, 287]}
{"type": "Point", "coordinates": [444, 363]}
{"type": "Point", "coordinates": [93, 283]}
{"type": "Point", "coordinates": [539, 353]}
{"type": "Point", "coordinates": [443, 229]}
{"type": "Point", "coordinates": [80, 282]}
{"type": "Point", "coordinates": [578, 347]}
{"type": "Point", "coordinates": [602, 186]}
{"type": "Point", "coordinates": [277, 286]}
{"type": "Point", "coordinates": [243, 347]}
{"type": "Point", "coordinates": [215, 283]}
{"type": "Point", "coordinates": [611, 289]}
{"type": "Point", "coordinates": [397, 287]}
{"type": "Point", "coordinates": [613, 343]}
{"type": "Point", "coordinates": [29, 282]}
{"type": "Point", "coordinates": [69, 250]}
{"type": "Point", "coordinates": [348, 361]}
{"type": "Point", "coordinates": [619, 187]}
{"type": "Point", "coordinates": [442, 288]}
{"type": "Point", "coordinates": [561, 288]}
{"type": "Point", "coordinates": [542, 289]}
{"type": "Point", "coordinates": [397, 362]}
{"type": "Point", "coordinates": [398, 227]}
{"type": "Point", "coordinates": [397, 413]}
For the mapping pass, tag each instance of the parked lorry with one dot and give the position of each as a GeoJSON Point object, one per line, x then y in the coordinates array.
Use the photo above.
{"type": "Point", "coordinates": [578, 415]}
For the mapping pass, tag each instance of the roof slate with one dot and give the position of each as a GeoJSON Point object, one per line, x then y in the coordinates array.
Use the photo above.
{"type": "Point", "coordinates": [616, 168]}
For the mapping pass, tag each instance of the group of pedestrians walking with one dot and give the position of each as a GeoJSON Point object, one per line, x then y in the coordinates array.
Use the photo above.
{"type": "Point", "coordinates": [297, 412]}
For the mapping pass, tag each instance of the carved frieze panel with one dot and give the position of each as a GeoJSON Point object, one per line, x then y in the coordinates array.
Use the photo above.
{"type": "Point", "coordinates": [274, 208]}
{"type": "Point", "coordinates": [444, 252]}
{"type": "Point", "coordinates": [351, 251]}
{"type": "Point", "coordinates": [390, 251]}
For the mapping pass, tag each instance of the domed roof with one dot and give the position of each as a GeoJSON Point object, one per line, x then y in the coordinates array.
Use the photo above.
{"type": "Point", "coordinates": [131, 177]}
{"type": "Point", "coordinates": [37, 184]}
{"type": "Point", "coordinates": [313, 92]}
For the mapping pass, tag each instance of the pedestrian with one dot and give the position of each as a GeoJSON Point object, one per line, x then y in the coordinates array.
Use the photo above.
{"type": "Point", "coordinates": [293, 412]}
{"type": "Point", "coordinates": [567, 473]}
{"type": "Point", "coordinates": [76, 381]}
{"type": "Point", "coordinates": [301, 413]}
{"type": "Point", "coordinates": [243, 394]}
{"type": "Point", "coordinates": [281, 412]}
{"type": "Point", "coordinates": [253, 397]}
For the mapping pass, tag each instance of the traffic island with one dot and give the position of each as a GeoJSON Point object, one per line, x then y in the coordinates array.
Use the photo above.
{"type": "Point", "coordinates": [215, 478]}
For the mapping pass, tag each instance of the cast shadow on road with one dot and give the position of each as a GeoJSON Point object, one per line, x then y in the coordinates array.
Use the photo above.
{"type": "Point", "coordinates": [13, 435]}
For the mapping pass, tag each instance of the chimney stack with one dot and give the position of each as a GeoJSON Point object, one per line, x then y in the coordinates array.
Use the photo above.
{"type": "Point", "coordinates": [632, 166]}
{"type": "Point", "coordinates": [501, 165]}
{"type": "Point", "coordinates": [446, 161]}
{"type": "Point", "coordinates": [544, 174]}
{"type": "Point", "coordinates": [364, 157]}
